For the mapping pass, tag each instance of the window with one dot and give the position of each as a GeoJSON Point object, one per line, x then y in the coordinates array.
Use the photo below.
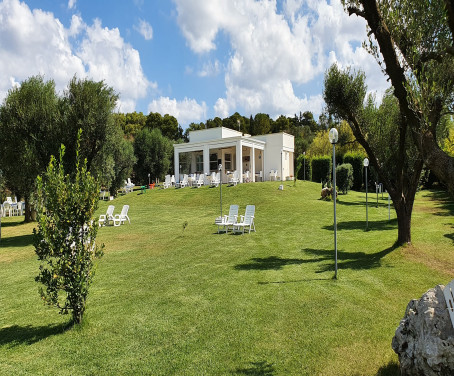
{"type": "Point", "coordinates": [199, 162]}
{"type": "Point", "coordinates": [228, 162]}
{"type": "Point", "coordinates": [213, 162]}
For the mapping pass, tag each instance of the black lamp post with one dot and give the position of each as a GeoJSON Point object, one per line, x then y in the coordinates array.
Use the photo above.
{"type": "Point", "coordinates": [333, 137]}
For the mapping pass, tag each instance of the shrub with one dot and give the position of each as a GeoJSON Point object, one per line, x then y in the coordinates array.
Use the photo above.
{"type": "Point", "coordinates": [356, 160]}
{"type": "Point", "coordinates": [344, 177]}
{"type": "Point", "coordinates": [321, 169]}
{"type": "Point", "coordinates": [65, 240]}
{"type": "Point", "coordinates": [301, 162]}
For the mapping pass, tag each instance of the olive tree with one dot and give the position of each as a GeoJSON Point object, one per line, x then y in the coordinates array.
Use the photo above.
{"type": "Point", "coordinates": [29, 122]}
{"type": "Point", "coordinates": [385, 136]}
{"type": "Point", "coordinates": [413, 41]}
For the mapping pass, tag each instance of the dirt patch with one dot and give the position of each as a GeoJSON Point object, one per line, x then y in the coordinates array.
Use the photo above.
{"type": "Point", "coordinates": [418, 255]}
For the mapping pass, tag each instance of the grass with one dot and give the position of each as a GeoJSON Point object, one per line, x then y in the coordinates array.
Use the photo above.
{"type": "Point", "coordinates": [173, 297]}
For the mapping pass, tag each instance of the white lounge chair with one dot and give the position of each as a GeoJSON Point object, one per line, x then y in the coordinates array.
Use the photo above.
{"type": "Point", "coordinates": [105, 219]}
{"type": "Point", "coordinates": [123, 216]}
{"type": "Point", "coordinates": [229, 220]}
{"type": "Point", "coordinates": [131, 185]}
{"type": "Point", "coordinates": [167, 183]}
{"type": "Point", "coordinates": [235, 178]}
{"type": "Point", "coordinates": [247, 221]}
{"type": "Point", "coordinates": [216, 180]}
{"type": "Point", "coordinates": [182, 183]}
{"type": "Point", "coordinates": [200, 181]}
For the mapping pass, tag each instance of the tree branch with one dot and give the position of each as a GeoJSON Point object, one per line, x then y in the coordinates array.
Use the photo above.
{"type": "Point", "coordinates": [353, 10]}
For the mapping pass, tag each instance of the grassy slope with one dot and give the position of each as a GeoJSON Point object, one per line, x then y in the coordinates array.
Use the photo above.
{"type": "Point", "coordinates": [168, 301]}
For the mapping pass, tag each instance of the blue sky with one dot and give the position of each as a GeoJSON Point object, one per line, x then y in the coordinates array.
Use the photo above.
{"type": "Point", "coordinates": [194, 59]}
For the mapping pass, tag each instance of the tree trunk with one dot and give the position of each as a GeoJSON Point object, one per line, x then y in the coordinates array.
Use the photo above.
{"type": "Point", "coordinates": [28, 211]}
{"type": "Point", "coordinates": [403, 211]}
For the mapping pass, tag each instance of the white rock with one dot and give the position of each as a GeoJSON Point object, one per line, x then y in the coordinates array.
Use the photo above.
{"type": "Point", "coordinates": [424, 340]}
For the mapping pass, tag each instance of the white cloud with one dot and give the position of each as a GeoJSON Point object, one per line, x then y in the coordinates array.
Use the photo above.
{"type": "Point", "coordinates": [71, 4]}
{"type": "Point", "coordinates": [35, 42]}
{"type": "Point", "coordinates": [271, 52]}
{"type": "Point", "coordinates": [145, 29]}
{"type": "Point", "coordinates": [77, 25]}
{"type": "Point", "coordinates": [221, 108]}
{"type": "Point", "coordinates": [186, 111]}
{"type": "Point", "coordinates": [210, 69]}
{"type": "Point", "coordinates": [110, 58]}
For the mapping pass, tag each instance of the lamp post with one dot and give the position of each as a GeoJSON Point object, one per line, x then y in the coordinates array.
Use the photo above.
{"type": "Point", "coordinates": [366, 164]}
{"type": "Point", "coordinates": [333, 137]}
{"type": "Point", "coordinates": [220, 186]}
{"type": "Point", "coordinates": [304, 168]}
{"type": "Point", "coordinates": [148, 178]}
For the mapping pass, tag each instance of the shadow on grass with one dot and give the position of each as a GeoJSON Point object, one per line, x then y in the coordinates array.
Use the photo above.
{"type": "Point", "coordinates": [361, 225]}
{"type": "Point", "coordinates": [294, 281]}
{"type": "Point", "coordinates": [346, 260]}
{"type": "Point", "coordinates": [18, 222]}
{"type": "Point", "coordinates": [445, 202]}
{"type": "Point", "coordinates": [257, 369]}
{"type": "Point", "coordinates": [270, 263]}
{"type": "Point", "coordinates": [17, 241]}
{"type": "Point", "coordinates": [391, 369]}
{"type": "Point", "coordinates": [26, 335]}
{"type": "Point", "coordinates": [349, 260]}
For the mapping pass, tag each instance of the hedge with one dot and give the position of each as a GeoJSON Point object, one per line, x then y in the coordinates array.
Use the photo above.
{"type": "Point", "coordinates": [356, 160]}
{"type": "Point", "coordinates": [321, 169]}
{"type": "Point", "coordinates": [344, 177]}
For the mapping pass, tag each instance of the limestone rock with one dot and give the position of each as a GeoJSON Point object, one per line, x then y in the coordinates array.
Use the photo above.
{"type": "Point", "coordinates": [424, 340]}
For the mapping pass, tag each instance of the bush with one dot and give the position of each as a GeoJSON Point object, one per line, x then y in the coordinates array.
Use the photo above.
{"type": "Point", "coordinates": [65, 240]}
{"type": "Point", "coordinates": [344, 177]}
{"type": "Point", "coordinates": [356, 160]}
{"type": "Point", "coordinates": [321, 169]}
{"type": "Point", "coordinates": [300, 167]}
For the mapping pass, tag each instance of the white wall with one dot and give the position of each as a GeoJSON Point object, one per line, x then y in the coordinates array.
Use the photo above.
{"type": "Point", "coordinates": [212, 134]}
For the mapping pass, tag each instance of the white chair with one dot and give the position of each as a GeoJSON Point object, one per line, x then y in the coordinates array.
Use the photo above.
{"type": "Point", "coordinates": [130, 185]}
{"type": "Point", "coordinates": [167, 182]}
{"type": "Point", "coordinates": [273, 175]}
{"type": "Point", "coordinates": [235, 178]}
{"type": "Point", "coordinates": [200, 181]}
{"type": "Point", "coordinates": [183, 183]}
{"type": "Point", "coordinates": [229, 220]}
{"type": "Point", "coordinates": [172, 180]}
{"type": "Point", "coordinates": [261, 175]}
{"type": "Point", "coordinates": [123, 216]}
{"type": "Point", "coordinates": [216, 180]}
{"type": "Point", "coordinates": [105, 219]}
{"type": "Point", "coordinates": [247, 221]}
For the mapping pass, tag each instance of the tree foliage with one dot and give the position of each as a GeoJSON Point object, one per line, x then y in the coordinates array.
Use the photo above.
{"type": "Point", "coordinates": [154, 154]}
{"type": "Point", "coordinates": [413, 43]}
{"type": "Point", "coordinates": [384, 135]}
{"type": "Point", "coordinates": [29, 127]}
{"type": "Point", "coordinates": [65, 240]}
{"type": "Point", "coordinates": [344, 177]}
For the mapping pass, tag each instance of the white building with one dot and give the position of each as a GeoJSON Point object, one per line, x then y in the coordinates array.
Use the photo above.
{"type": "Point", "coordinates": [254, 156]}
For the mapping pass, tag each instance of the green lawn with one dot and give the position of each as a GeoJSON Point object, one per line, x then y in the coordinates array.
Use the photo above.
{"type": "Point", "coordinates": [173, 301]}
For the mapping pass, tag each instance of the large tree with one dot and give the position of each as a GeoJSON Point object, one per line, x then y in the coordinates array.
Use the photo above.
{"type": "Point", "coordinates": [413, 41]}
{"type": "Point", "coordinates": [29, 122]}
{"type": "Point", "coordinates": [384, 135]}
{"type": "Point", "coordinates": [154, 155]}
{"type": "Point", "coordinates": [87, 105]}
